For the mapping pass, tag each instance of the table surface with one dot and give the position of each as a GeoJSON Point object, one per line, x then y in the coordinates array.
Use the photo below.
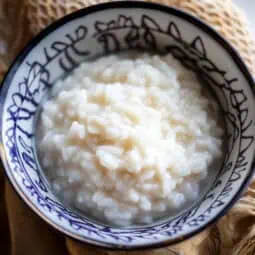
{"type": "Point", "coordinates": [249, 7]}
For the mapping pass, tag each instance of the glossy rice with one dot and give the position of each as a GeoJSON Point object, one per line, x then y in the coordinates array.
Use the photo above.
{"type": "Point", "coordinates": [128, 139]}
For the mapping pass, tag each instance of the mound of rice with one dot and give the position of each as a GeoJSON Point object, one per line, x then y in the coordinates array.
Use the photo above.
{"type": "Point", "coordinates": [127, 139]}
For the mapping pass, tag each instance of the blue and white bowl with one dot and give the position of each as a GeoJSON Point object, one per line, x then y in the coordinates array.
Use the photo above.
{"type": "Point", "coordinates": [107, 28]}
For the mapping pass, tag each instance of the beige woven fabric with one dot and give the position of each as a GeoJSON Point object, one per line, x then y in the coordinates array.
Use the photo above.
{"type": "Point", "coordinates": [233, 234]}
{"type": "Point", "coordinates": [13, 31]}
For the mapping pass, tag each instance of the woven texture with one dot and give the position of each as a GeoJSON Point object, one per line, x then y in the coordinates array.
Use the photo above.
{"type": "Point", "coordinates": [14, 31]}
{"type": "Point", "coordinates": [234, 234]}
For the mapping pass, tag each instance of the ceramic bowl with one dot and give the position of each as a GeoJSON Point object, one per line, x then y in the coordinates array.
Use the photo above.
{"type": "Point", "coordinates": [109, 28]}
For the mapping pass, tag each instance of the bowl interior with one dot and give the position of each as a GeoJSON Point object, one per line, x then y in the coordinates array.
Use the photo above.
{"type": "Point", "coordinates": [106, 29]}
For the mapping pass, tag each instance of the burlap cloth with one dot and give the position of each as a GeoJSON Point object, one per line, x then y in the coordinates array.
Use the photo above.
{"type": "Point", "coordinates": [22, 232]}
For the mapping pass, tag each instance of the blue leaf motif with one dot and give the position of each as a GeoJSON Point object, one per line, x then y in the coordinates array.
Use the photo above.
{"type": "Point", "coordinates": [237, 98]}
{"type": "Point", "coordinates": [13, 109]}
{"type": "Point", "coordinates": [249, 140]}
{"type": "Point", "coordinates": [41, 185]}
{"type": "Point", "coordinates": [174, 31]}
{"type": "Point", "coordinates": [124, 21]}
{"type": "Point", "coordinates": [17, 99]}
{"type": "Point", "coordinates": [37, 81]}
{"type": "Point", "coordinates": [10, 133]}
{"type": "Point", "coordinates": [25, 114]}
{"type": "Point", "coordinates": [27, 184]}
{"type": "Point", "coordinates": [22, 88]}
{"type": "Point", "coordinates": [217, 204]}
{"type": "Point", "coordinates": [199, 46]}
{"type": "Point", "coordinates": [33, 72]}
{"type": "Point", "coordinates": [150, 39]}
{"type": "Point", "coordinates": [29, 160]}
{"type": "Point", "coordinates": [101, 26]}
{"type": "Point", "coordinates": [244, 116]}
{"type": "Point", "coordinates": [25, 146]}
{"type": "Point", "coordinates": [81, 32]}
{"type": "Point", "coordinates": [148, 22]}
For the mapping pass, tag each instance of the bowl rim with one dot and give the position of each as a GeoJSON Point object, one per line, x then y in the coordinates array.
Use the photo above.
{"type": "Point", "coordinates": [232, 52]}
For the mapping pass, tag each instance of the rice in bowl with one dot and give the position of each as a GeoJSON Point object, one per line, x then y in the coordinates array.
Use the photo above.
{"type": "Point", "coordinates": [127, 139]}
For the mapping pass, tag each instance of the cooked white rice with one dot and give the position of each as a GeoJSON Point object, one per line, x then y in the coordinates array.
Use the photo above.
{"type": "Point", "coordinates": [128, 139]}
